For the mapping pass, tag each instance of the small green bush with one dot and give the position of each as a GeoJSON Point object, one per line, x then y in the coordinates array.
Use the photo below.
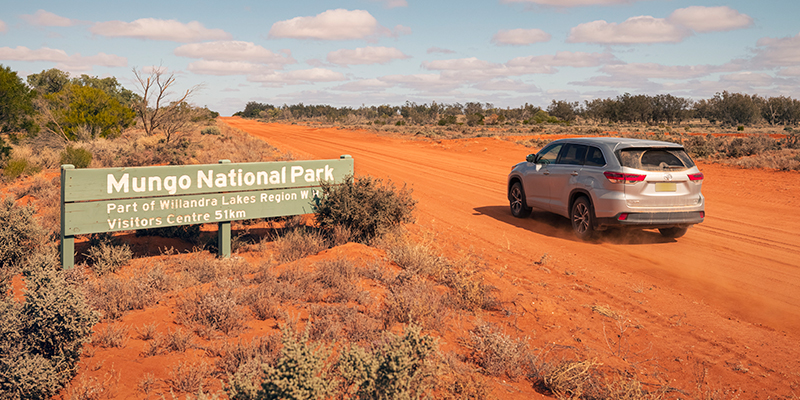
{"type": "Point", "coordinates": [401, 369]}
{"type": "Point", "coordinates": [366, 206]}
{"type": "Point", "coordinates": [17, 167]}
{"type": "Point", "coordinates": [302, 373]}
{"type": "Point", "coordinates": [211, 130]}
{"type": "Point", "coordinates": [77, 156]}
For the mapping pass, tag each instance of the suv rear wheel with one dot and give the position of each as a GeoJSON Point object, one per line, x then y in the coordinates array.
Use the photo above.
{"type": "Point", "coordinates": [674, 232]}
{"type": "Point", "coordinates": [582, 219]}
{"type": "Point", "coordinates": [516, 199]}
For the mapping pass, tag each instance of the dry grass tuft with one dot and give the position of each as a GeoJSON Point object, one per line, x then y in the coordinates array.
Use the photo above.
{"type": "Point", "coordinates": [247, 357]}
{"type": "Point", "coordinates": [92, 388]}
{"type": "Point", "coordinates": [215, 310]}
{"type": "Point", "coordinates": [113, 335]}
{"type": "Point", "coordinates": [299, 243]}
{"type": "Point", "coordinates": [188, 377]}
{"type": "Point", "coordinates": [496, 352]}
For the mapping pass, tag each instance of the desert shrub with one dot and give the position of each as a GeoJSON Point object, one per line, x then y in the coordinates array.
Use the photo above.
{"type": "Point", "coordinates": [108, 257]}
{"type": "Point", "coordinates": [299, 243]}
{"type": "Point", "coordinates": [748, 146]}
{"type": "Point", "coordinates": [147, 331]}
{"type": "Point", "coordinates": [79, 157]}
{"type": "Point", "coordinates": [263, 303]}
{"type": "Point", "coordinates": [94, 388]}
{"type": "Point", "coordinates": [188, 233]}
{"type": "Point", "coordinates": [16, 167]}
{"type": "Point", "coordinates": [468, 290]}
{"type": "Point", "coordinates": [495, 352]}
{"type": "Point", "coordinates": [211, 130]}
{"type": "Point", "coordinates": [113, 296]}
{"type": "Point", "coordinates": [247, 357]}
{"type": "Point", "coordinates": [414, 301]}
{"type": "Point", "coordinates": [401, 368]}
{"type": "Point", "coordinates": [340, 277]}
{"type": "Point", "coordinates": [41, 338]}
{"type": "Point", "coordinates": [701, 147]}
{"type": "Point", "coordinates": [301, 372]}
{"type": "Point", "coordinates": [417, 259]}
{"type": "Point", "coordinates": [113, 335]}
{"type": "Point", "coordinates": [180, 340]}
{"type": "Point", "coordinates": [213, 310]}
{"type": "Point", "coordinates": [570, 379]}
{"type": "Point", "coordinates": [340, 322]}
{"type": "Point", "coordinates": [366, 206]}
{"type": "Point", "coordinates": [188, 377]}
{"type": "Point", "coordinates": [20, 235]}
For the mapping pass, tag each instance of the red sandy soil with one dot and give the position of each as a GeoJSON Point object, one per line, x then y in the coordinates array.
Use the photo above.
{"type": "Point", "coordinates": [723, 299]}
{"type": "Point", "coordinates": [727, 294]}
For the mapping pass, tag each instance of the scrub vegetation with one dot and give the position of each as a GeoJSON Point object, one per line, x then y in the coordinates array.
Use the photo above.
{"type": "Point", "coordinates": [348, 304]}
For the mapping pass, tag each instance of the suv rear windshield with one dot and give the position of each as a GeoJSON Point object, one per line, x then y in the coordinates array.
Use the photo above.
{"type": "Point", "coordinates": [651, 159]}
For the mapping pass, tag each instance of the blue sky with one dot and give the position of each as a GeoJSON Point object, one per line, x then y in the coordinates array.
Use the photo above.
{"type": "Point", "coordinates": [372, 52]}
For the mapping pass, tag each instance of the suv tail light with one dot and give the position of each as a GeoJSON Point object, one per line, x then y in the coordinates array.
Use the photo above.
{"type": "Point", "coordinates": [696, 178]}
{"type": "Point", "coordinates": [619, 177]}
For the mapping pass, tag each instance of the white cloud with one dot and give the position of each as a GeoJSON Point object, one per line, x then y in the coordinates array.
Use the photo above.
{"type": "Point", "coordinates": [642, 29]}
{"type": "Point", "coordinates": [422, 82]}
{"type": "Point", "coordinates": [3, 27]}
{"type": "Point", "coordinates": [297, 77]}
{"type": "Point", "coordinates": [620, 82]}
{"type": "Point", "coordinates": [222, 68]}
{"type": "Point", "coordinates": [790, 71]}
{"type": "Point", "coordinates": [364, 85]}
{"type": "Point", "coordinates": [365, 55]}
{"type": "Point", "coordinates": [159, 29]}
{"type": "Point", "coordinates": [393, 3]}
{"type": "Point", "coordinates": [75, 62]}
{"type": "Point", "coordinates": [653, 70]}
{"type": "Point", "coordinates": [233, 50]}
{"type": "Point", "coordinates": [572, 3]}
{"type": "Point", "coordinates": [784, 52]}
{"type": "Point", "coordinates": [509, 85]}
{"type": "Point", "coordinates": [21, 53]}
{"type": "Point", "coordinates": [520, 37]}
{"type": "Point", "coordinates": [339, 24]}
{"type": "Point", "coordinates": [545, 63]}
{"type": "Point", "coordinates": [752, 79]}
{"type": "Point", "coordinates": [461, 64]}
{"type": "Point", "coordinates": [710, 19]}
{"type": "Point", "coordinates": [440, 50]}
{"type": "Point", "coordinates": [46, 18]}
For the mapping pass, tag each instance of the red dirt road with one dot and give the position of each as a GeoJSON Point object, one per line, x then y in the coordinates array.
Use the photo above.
{"type": "Point", "coordinates": [725, 296]}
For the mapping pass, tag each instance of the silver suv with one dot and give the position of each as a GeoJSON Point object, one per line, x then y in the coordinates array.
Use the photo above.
{"type": "Point", "coordinates": [608, 182]}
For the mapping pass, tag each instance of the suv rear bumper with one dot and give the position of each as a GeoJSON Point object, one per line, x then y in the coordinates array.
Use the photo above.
{"type": "Point", "coordinates": [653, 220]}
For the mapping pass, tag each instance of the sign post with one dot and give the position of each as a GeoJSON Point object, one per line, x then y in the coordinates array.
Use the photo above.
{"type": "Point", "coordinates": [122, 199]}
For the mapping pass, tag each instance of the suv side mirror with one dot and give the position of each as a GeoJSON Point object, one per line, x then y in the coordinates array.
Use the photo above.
{"type": "Point", "coordinates": [531, 158]}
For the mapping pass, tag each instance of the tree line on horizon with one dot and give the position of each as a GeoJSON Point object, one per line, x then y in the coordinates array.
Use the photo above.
{"type": "Point", "coordinates": [727, 109]}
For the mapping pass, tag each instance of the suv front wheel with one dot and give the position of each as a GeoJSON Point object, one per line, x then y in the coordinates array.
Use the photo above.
{"type": "Point", "coordinates": [516, 199]}
{"type": "Point", "coordinates": [582, 219]}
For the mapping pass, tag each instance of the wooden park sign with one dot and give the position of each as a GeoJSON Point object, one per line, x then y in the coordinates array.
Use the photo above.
{"type": "Point", "coordinates": [122, 199]}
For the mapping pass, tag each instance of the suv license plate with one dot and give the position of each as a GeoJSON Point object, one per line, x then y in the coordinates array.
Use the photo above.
{"type": "Point", "coordinates": [666, 186]}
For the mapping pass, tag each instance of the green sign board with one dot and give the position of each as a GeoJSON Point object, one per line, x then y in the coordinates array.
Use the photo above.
{"type": "Point", "coordinates": [120, 199]}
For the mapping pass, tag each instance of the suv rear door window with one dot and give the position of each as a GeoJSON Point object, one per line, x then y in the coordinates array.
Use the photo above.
{"type": "Point", "coordinates": [594, 157]}
{"type": "Point", "coordinates": [655, 159]}
{"type": "Point", "coordinates": [573, 154]}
